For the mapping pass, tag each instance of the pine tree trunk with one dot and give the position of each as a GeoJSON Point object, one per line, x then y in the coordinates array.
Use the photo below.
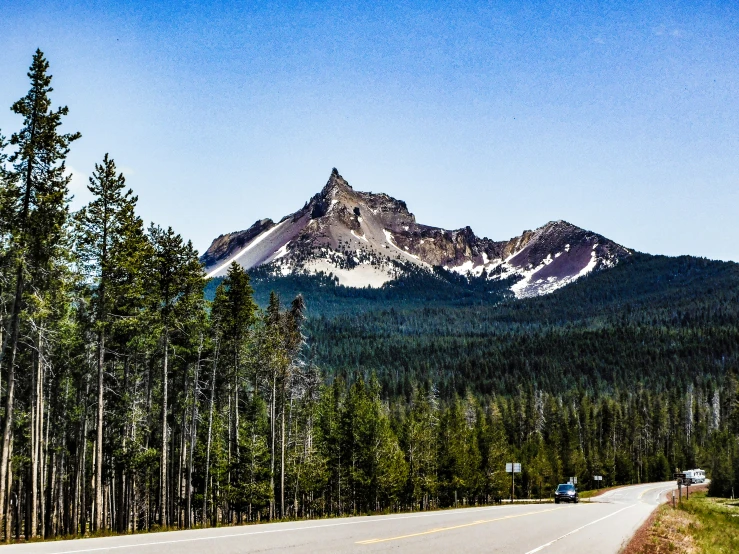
{"type": "Point", "coordinates": [163, 485]}
{"type": "Point", "coordinates": [82, 507]}
{"type": "Point", "coordinates": [5, 471]}
{"type": "Point", "coordinates": [229, 412]}
{"type": "Point", "coordinates": [76, 497]}
{"type": "Point", "coordinates": [47, 516]}
{"type": "Point", "coordinates": [44, 454]}
{"type": "Point", "coordinates": [272, 455]}
{"type": "Point", "coordinates": [171, 481]}
{"type": "Point", "coordinates": [236, 406]}
{"type": "Point", "coordinates": [61, 509]}
{"type": "Point", "coordinates": [43, 464]}
{"type": "Point", "coordinates": [282, 456]}
{"type": "Point", "coordinates": [134, 504]}
{"type": "Point", "coordinates": [35, 440]}
{"type": "Point", "coordinates": [99, 439]}
{"type": "Point", "coordinates": [193, 436]}
{"type": "Point", "coordinates": [210, 434]}
{"type": "Point", "coordinates": [92, 489]}
{"type": "Point", "coordinates": [121, 472]}
{"type": "Point", "coordinates": [7, 509]}
{"type": "Point", "coordinates": [181, 476]}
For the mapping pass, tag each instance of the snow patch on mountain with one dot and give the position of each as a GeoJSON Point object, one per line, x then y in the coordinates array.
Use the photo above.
{"type": "Point", "coordinates": [363, 237]}
{"type": "Point", "coordinates": [281, 252]}
{"type": "Point", "coordinates": [224, 266]}
{"type": "Point", "coordinates": [389, 239]}
{"type": "Point", "coordinates": [360, 276]}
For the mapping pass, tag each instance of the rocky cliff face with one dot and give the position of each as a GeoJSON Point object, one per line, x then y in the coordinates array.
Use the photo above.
{"type": "Point", "coordinates": [367, 239]}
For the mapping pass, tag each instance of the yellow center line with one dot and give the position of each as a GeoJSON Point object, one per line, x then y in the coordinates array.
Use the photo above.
{"type": "Point", "coordinates": [462, 526]}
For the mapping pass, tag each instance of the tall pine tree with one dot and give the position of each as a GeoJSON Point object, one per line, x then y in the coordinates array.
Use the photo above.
{"type": "Point", "coordinates": [40, 185]}
{"type": "Point", "coordinates": [175, 273]}
{"type": "Point", "coordinates": [100, 226]}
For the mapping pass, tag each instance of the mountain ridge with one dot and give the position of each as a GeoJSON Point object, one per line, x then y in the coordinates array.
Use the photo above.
{"type": "Point", "coordinates": [368, 239]}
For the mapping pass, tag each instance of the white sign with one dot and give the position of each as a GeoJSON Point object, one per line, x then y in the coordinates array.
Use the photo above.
{"type": "Point", "coordinates": [513, 468]}
{"type": "Point", "coordinates": [573, 480]}
{"type": "Point", "coordinates": [598, 477]}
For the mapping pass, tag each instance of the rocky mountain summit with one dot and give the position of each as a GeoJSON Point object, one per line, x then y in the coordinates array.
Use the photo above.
{"type": "Point", "coordinates": [367, 239]}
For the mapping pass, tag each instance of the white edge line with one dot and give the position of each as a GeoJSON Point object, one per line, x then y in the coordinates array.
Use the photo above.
{"type": "Point", "coordinates": [264, 532]}
{"type": "Point", "coordinates": [543, 546]}
{"type": "Point", "coordinates": [243, 251]}
{"type": "Point", "coordinates": [667, 488]}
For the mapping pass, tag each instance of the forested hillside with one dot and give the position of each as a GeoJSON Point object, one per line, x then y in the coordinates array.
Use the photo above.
{"type": "Point", "coordinates": [657, 322]}
{"type": "Point", "coordinates": [136, 396]}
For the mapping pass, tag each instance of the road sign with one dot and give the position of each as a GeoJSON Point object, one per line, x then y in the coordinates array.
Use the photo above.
{"type": "Point", "coordinates": [513, 468]}
{"type": "Point", "coordinates": [679, 475]}
{"type": "Point", "coordinates": [598, 478]}
{"type": "Point", "coordinates": [573, 480]}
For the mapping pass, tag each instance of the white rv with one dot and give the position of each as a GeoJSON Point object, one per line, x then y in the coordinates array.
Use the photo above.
{"type": "Point", "coordinates": [695, 476]}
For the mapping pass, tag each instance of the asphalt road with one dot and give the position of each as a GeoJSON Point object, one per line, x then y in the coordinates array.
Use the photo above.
{"type": "Point", "coordinates": [601, 526]}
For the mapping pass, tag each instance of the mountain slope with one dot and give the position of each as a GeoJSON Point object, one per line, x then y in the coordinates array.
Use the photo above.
{"type": "Point", "coordinates": [365, 239]}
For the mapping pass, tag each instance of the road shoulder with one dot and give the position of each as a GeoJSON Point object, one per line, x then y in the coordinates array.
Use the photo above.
{"type": "Point", "coordinates": [665, 530]}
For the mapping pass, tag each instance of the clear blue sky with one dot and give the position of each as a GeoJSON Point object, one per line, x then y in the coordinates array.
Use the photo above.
{"type": "Point", "coordinates": [619, 117]}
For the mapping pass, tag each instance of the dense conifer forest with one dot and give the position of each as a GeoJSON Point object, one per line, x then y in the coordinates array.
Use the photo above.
{"type": "Point", "coordinates": [137, 396]}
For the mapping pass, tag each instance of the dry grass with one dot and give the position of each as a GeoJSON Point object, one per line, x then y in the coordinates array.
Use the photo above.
{"type": "Point", "coordinates": [668, 530]}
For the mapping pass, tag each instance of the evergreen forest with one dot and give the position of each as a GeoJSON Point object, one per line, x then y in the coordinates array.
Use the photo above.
{"type": "Point", "coordinates": [135, 395]}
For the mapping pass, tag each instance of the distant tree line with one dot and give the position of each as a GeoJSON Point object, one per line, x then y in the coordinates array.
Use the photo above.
{"type": "Point", "coordinates": [131, 402]}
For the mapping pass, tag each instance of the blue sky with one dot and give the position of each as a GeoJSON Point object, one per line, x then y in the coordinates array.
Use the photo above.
{"type": "Point", "coordinates": [620, 117]}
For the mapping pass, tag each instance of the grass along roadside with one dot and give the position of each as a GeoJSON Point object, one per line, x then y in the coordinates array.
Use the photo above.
{"type": "Point", "coordinates": [701, 524]}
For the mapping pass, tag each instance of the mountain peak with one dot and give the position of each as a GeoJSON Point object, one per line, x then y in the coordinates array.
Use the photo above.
{"type": "Point", "coordinates": [368, 239]}
{"type": "Point", "coordinates": [335, 183]}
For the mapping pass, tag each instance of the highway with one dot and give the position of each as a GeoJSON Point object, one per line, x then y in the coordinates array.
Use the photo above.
{"type": "Point", "coordinates": [600, 526]}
